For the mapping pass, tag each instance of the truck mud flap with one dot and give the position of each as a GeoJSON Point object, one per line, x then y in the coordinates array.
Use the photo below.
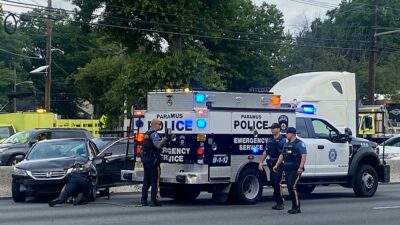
{"type": "Point", "coordinates": [384, 173]}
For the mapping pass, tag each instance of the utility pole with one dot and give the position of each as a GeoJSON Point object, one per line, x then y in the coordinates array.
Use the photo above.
{"type": "Point", "coordinates": [48, 59]}
{"type": "Point", "coordinates": [372, 53]}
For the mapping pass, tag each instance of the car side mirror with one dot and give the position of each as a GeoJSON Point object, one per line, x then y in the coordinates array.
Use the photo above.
{"type": "Point", "coordinates": [348, 134]}
{"type": "Point", "coordinates": [32, 143]}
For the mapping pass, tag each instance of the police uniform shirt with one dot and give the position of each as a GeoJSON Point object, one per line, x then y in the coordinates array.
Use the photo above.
{"type": "Point", "coordinates": [269, 147]}
{"type": "Point", "coordinates": [300, 147]}
{"type": "Point", "coordinates": [155, 137]}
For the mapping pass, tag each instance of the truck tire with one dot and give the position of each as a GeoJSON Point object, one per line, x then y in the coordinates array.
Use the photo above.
{"type": "Point", "coordinates": [18, 196]}
{"type": "Point", "coordinates": [365, 181]}
{"type": "Point", "coordinates": [185, 195]}
{"type": "Point", "coordinates": [248, 190]}
{"type": "Point", "coordinates": [305, 189]}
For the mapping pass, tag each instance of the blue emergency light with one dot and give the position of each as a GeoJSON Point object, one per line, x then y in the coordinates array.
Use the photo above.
{"type": "Point", "coordinates": [255, 149]}
{"type": "Point", "coordinates": [200, 98]}
{"type": "Point", "coordinates": [308, 109]}
{"type": "Point", "coordinates": [139, 123]}
{"type": "Point", "coordinates": [201, 123]}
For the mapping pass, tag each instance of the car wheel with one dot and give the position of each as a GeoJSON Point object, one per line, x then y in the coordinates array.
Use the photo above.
{"type": "Point", "coordinates": [92, 194]}
{"type": "Point", "coordinates": [366, 181]}
{"type": "Point", "coordinates": [13, 161]}
{"type": "Point", "coordinates": [17, 195]}
{"type": "Point", "coordinates": [249, 188]}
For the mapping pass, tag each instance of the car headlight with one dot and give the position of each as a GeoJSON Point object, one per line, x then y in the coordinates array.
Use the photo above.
{"type": "Point", "coordinates": [20, 172]}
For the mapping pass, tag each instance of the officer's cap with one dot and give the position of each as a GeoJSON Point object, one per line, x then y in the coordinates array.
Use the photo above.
{"type": "Point", "coordinates": [291, 130]}
{"type": "Point", "coordinates": [275, 125]}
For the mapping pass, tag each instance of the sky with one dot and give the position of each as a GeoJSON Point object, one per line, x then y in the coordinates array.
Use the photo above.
{"type": "Point", "coordinates": [296, 12]}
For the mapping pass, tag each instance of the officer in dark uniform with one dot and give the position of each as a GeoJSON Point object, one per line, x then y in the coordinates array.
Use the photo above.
{"type": "Point", "coordinates": [292, 159]}
{"type": "Point", "coordinates": [80, 183]}
{"type": "Point", "coordinates": [151, 159]}
{"type": "Point", "coordinates": [272, 151]}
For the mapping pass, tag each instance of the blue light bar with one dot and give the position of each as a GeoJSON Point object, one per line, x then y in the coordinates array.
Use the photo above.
{"type": "Point", "coordinates": [308, 109]}
{"type": "Point", "coordinates": [200, 98]}
{"type": "Point", "coordinates": [201, 123]}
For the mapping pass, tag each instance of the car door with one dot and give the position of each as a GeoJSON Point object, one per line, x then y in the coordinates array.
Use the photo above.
{"type": "Point", "coordinates": [114, 161]}
{"type": "Point", "coordinates": [332, 153]}
{"type": "Point", "coordinates": [303, 133]}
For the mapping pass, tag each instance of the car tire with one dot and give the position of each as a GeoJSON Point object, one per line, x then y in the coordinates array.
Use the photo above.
{"type": "Point", "coordinates": [17, 195]}
{"type": "Point", "coordinates": [92, 194]}
{"type": "Point", "coordinates": [13, 160]}
{"type": "Point", "coordinates": [248, 190]}
{"type": "Point", "coordinates": [306, 189]}
{"type": "Point", "coordinates": [365, 181]}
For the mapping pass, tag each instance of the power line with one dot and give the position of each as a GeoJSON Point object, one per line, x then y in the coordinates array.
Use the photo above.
{"type": "Point", "coordinates": [220, 30]}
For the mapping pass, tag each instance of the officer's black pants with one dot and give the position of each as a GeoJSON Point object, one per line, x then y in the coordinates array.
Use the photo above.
{"type": "Point", "coordinates": [277, 180]}
{"type": "Point", "coordinates": [292, 178]}
{"type": "Point", "coordinates": [75, 185]}
{"type": "Point", "coordinates": [150, 179]}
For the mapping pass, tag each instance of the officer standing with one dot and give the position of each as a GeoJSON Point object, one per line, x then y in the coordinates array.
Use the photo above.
{"type": "Point", "coordinates": [293, 158]}
{"type": "Point", "coordinates": [272, 151]}
{"type": "Point", "coordinates": [151, 159]}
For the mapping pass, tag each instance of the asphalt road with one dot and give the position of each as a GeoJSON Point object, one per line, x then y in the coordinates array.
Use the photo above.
{"type": "Point", "coordinates": [327, 205]}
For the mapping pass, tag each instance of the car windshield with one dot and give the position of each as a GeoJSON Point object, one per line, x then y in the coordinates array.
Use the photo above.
{"type": "Point", "coordinates": [58, 149]}
{"type": "Point", "coordinates": [392, 142]}
{"type": "Point", "coordinates": [101, 143]}
{"type": "Point", "coordinates": [18, 138]}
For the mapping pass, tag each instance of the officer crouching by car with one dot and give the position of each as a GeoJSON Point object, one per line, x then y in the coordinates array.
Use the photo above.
{"type": "Point", "coordinates": [272, 151]}
{"type": "Point", "coordinates": [151, 159]}
{"type": "Point", "coordinates": [80, 184]}
{"type": "Point", "coordinates": [292, 158]}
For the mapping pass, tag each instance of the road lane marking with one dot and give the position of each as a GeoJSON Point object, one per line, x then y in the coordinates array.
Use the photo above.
{"type": "Point", "coordinates": [388, 207]}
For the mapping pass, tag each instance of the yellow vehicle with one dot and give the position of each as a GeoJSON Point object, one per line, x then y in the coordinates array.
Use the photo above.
{"type": "Point", "coordinates": [6, 130]}
{"type": "Point", "coordinates": [374, 123]}
{"type": "Point", "coordinates": [21, 121]}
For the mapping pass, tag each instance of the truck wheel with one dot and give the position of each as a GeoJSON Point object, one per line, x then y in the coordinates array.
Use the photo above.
{"type": "Point", "coordinates": [185, 195]}
{"type": "Point", "coordinates": [366, 181]}
{"type": "Point", "coordinates": [305, 189]}
{"type": "Point", "coordinates": [18, 196]}
{"type": "Point", "coordinates": [248, 189]}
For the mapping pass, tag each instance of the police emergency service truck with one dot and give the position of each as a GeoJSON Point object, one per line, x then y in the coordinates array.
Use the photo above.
{"type": "Point", "coordinates": [217, 138]}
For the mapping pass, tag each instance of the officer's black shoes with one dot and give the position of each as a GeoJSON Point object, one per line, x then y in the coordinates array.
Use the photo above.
{"type": "Point", "coordinates": [54, 202]}
{"type": "Point", "coordinates": [79, 199]}
{"type": "Point", "coordinates": [278, 207]}
{"type": "Point", "coordinates": [155, 204]}
{"type": "Point", "coordinates": [294, 211]}
{"type": "Point", "coordinates": [144, 203]}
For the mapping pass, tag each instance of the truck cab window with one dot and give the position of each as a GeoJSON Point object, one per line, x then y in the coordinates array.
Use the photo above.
{"type": "Point", "coordinates": [301, 128]}
{"type": "Point", "coordinates": [324, 130]}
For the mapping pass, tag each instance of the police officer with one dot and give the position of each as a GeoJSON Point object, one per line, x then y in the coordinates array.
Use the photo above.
{"type": "Point", "coordinates": [151, 159]}
{"type": "Point", "coordinates": [272, 151]}
{"type": "Point", "coordinates": [79, 185]}
{"type": "Point", "coordinates": [292, 158]}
